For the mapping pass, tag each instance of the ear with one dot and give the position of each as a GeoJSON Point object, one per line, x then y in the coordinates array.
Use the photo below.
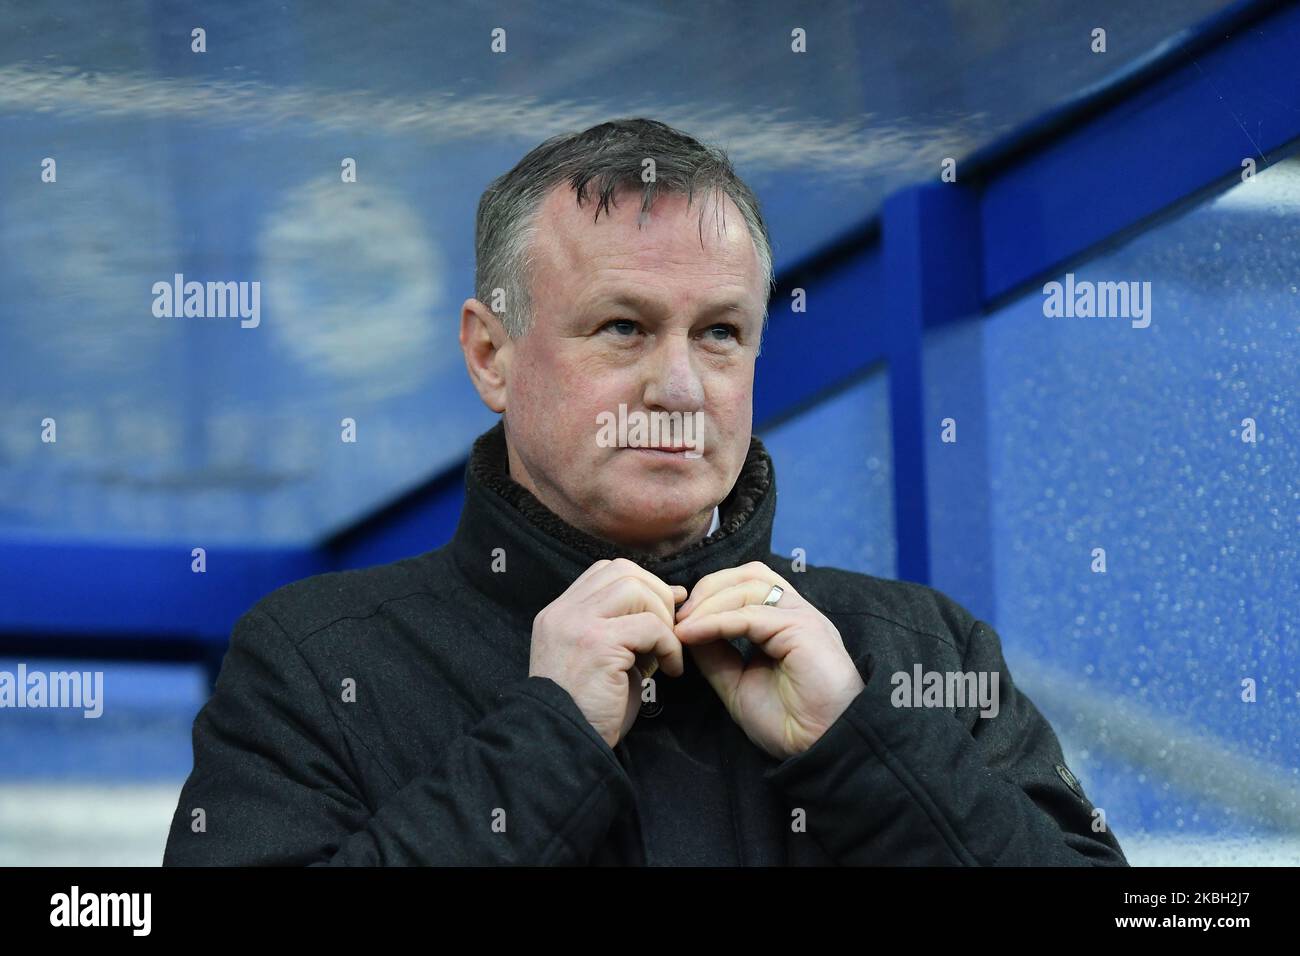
{"type": "Point", "coordinates": [487, 350]}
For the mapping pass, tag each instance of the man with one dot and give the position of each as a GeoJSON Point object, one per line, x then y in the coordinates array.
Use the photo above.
{"type": "Point", "coordinates": [607, 664]}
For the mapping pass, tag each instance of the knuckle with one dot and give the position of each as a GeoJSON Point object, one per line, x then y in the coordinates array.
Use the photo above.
{"type": "Point", "coordinates": [628, 587]}
{"type": "Point", "coordinates": [592, 634]}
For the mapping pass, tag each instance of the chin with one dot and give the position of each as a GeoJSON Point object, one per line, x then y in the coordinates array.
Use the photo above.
{"type": "Point", "coordinates": [651, 518]}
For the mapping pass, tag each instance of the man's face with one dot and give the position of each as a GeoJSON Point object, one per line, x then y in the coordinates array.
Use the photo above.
{"type": "Point", "coordinates": [648, 319]}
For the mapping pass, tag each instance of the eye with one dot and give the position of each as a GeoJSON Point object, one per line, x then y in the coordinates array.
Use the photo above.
{"type": "Point", "coordinates": [726, 328]}
{"type": "Point", "coordinates": [623, 327]}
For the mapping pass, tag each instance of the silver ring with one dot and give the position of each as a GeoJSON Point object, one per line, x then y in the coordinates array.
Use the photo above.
{"type": "Point", "coordinates": [773, 596]}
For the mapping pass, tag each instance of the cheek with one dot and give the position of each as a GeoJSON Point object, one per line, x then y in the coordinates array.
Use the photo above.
{"type": "Point", "coordinates": [732, 408]}
{"type": "Point", "coordinates": [731, 399]}
{"type": "Point", "coordinates": [557, 399]}
{"type": "Point", "coordinates": [537, 381]}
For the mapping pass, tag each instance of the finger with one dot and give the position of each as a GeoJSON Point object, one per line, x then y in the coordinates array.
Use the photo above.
{"type": "Point", "coordinates": [646, 633]}
{"type": "Point", "coordinates": [754, 621]}
{"type": "Point", "coordinates": [711, 584]}
{"type": "Point", "coordinates": [582, 583]}
{"type": "Point", "coordinates": [739, 595]}
{"type": "Point", "coordinates": [622, 567]}
{"type": "Point", "coordinates": [629, 595]}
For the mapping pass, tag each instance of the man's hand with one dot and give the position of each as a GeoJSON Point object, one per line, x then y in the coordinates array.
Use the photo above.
{"type": "Point", "coordinates": [588, 639]}
{"type": "Point", "coordinates": [787, 696]}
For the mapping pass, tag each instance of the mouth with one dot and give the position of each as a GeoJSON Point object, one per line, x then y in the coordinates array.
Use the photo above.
{"type": "Point", "coordinates": [667, 451]}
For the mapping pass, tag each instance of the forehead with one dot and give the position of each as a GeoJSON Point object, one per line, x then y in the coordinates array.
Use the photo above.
{"type": "Point", "coordinates": [669, 246]}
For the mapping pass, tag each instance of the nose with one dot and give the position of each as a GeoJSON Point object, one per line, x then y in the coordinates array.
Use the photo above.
{"type": "Point", "coordinates": [672, 381]}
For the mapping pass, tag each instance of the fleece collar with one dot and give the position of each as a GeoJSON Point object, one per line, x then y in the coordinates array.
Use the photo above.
{"type": "Point", "coordinates": [522, 555]}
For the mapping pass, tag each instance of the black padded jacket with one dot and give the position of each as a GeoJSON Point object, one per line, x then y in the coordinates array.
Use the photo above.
{"type": "Point", "coordinates": [384, 716]}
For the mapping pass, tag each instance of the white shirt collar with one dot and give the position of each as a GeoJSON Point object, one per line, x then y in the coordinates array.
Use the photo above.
{"type": "Point", "coordinates": [717, 521]}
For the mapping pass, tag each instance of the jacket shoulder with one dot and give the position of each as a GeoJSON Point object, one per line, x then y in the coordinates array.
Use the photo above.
{"type": "Point", "coordinates": [310, 604]}
{"type": "Point", "coordinates": [914, 607]}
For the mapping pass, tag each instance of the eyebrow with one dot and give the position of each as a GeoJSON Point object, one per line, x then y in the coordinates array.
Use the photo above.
{"type": "Point", "coordinates": [641, 304]}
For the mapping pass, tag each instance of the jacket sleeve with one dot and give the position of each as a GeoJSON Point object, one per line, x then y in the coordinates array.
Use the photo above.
{"type": "Point", "coordinates": [273, 777]}
{"type": "Point", "coordinates": [920, 786]}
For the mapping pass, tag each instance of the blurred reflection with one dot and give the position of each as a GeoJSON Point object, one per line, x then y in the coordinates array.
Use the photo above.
{"type": "Point", "coordinates": [353, 282]}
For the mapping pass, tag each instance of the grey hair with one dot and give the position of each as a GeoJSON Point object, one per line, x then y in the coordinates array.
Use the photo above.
{"type": "Point", "coordinates": [612, 154]}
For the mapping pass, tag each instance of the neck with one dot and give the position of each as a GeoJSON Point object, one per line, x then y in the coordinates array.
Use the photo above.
{"type": "Point", "coordinates": [503, 520]}
{"type": "Point", "coordinates": [658, 544]}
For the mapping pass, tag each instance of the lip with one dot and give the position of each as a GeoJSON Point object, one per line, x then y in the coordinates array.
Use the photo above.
{"type": "Point", "coordinates": [662, 452]}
